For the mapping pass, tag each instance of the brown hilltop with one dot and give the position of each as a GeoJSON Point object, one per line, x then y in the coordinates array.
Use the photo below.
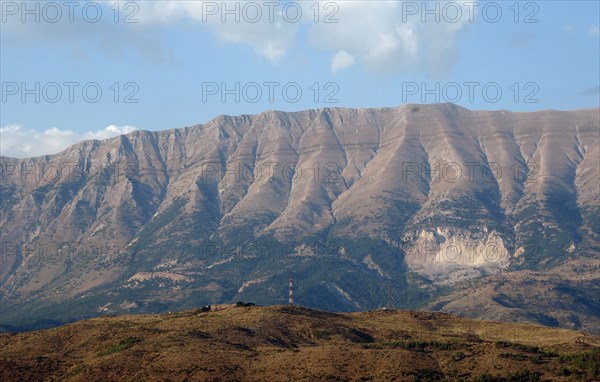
{"type": "Point", "coordinates": [283, 343]}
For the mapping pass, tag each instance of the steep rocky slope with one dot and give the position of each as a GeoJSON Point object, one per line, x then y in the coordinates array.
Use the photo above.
{"type": "Point", "coordinates": [395, 207]}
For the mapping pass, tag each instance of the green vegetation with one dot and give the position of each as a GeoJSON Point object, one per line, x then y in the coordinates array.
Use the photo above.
{"type": "Point", "coordinates": [419, 346]}
{"type": "Point", "coordinates": [525, 348]}
{"type": "Point", "coordinates": [585, 365]}
{"type": "Point", "coordinates": [122, 345]}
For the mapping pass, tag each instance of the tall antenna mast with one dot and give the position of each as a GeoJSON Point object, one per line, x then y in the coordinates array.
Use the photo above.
{"type": "Point", "coordinates": [291, 300]}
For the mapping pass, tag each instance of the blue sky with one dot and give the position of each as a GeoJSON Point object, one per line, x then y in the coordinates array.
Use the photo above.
{"type": "Point", "coordinates": [175, 58]}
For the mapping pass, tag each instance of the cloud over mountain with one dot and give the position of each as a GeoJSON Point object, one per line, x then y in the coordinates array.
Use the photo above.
{"type": "Point", "coordinates": [19, 141]}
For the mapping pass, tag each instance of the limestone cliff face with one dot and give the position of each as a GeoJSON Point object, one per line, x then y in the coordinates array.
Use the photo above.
{"type": "Point", "coordinates": [435, 190]}
{"type": "Point", "coordinates": [448, 256]}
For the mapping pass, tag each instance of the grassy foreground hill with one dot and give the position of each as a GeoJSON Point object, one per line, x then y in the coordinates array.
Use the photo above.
{"type": "Point", "coordinates": [281, 343]}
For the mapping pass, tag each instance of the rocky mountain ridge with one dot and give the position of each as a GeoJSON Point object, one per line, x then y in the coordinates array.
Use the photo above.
{"type": "Point", "coordinates": [367, 207]}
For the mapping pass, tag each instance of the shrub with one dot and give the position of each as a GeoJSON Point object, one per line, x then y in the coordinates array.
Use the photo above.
{"type": "Point", "coordinates": [122, 345]}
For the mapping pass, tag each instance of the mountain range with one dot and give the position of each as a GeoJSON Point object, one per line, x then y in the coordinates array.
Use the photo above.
{"type": "Point", "coordinates": [484, 214]}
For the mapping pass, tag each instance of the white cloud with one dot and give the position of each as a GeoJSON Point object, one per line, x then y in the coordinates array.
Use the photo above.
{"type": "Point", "coordinates": [109, 132]}
{"type": "Point", "coordinates": [271, 39]}
{"type": "Point", "coordinates": [381, 38]}
{"type": "Point", "coordinates": [20, 142]}
{"type": "Point", "coordinates": [84, 38]}
{"type": "Point", "coordinates": [594, 31]}
{"type": "Point", "coordinates": [341, 60]}
{"type": "Point", "coordinates": [375, 33]}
